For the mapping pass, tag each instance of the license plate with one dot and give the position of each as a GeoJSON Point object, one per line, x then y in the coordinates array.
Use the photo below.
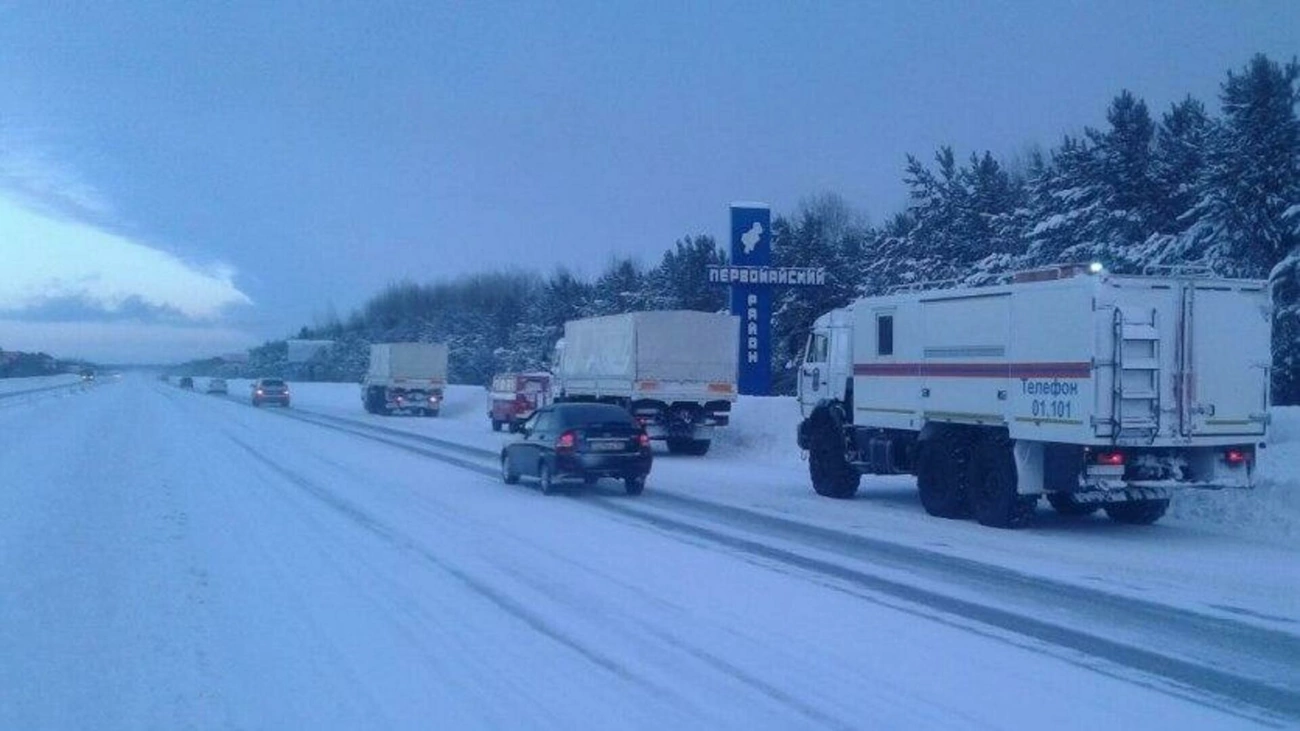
{"type": "Point", "coordinates": [607, 446]}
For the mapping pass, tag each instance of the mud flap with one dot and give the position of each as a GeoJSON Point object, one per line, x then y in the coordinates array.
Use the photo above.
{"type": "Point", "coordinates": [1029, 467]}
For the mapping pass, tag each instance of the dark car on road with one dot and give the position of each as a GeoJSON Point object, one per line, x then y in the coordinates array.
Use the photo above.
{"type": "Point", "coordinates": [270, 391]}
{"type": "Point", "coordinates": [579, 441]}
{"type": "Point", "coordinates": [187, 382]}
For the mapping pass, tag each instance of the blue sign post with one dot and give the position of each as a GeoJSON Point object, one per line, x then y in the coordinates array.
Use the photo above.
{"type": "Point", "coordinates": [751, 277]}
{"type": "Point", "coordinates": [751, 246]}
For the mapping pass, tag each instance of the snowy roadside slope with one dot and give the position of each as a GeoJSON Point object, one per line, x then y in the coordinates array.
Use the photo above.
{"type": "Point", "coordinates": [1271, 511]}
{"type": "Point", "coordinates": [763, 429]}
{"type": "Point", "coordinates": [37, 383]}
{"type": "Point", "coordinates": [1217, 562]}
{"type": "Point", "coordinates": [762, 434]}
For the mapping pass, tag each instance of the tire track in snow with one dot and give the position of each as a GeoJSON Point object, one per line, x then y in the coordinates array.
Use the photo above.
{"type": "Point", "coordinates": [1236, 688]}
{"type": "Point", "coordinates": [492, 595]}
{"type": "Point", "coordinates": [359, 429]}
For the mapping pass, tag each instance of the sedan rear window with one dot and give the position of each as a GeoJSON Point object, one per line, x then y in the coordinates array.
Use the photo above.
{"type": "Point", "coordinates": [272, 383]}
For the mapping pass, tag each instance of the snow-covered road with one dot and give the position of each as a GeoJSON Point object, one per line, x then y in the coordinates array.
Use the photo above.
{"type": "Point", "coordinates": [173, 560]}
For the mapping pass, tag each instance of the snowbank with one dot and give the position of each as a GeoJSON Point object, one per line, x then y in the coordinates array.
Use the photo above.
{"type": "Point", "coordinates": [36, 383]}
{"type": "Point", "coordinates": [762, 433]}
{"type": "Point", "coordinates": [762, 429]}
{"type": "Point", "coordinates": [1271, 511]}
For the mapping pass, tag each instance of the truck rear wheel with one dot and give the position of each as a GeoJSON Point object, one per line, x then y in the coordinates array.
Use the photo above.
{"type": "Point", "coordinates": [942, 475]}
{"type": "Point", "coordinates": [1064, 504]}
{"type": "Point", "coordinates": [682, 445]}
{"type": "Point", "coordinates": [993, 496]}
{"type": "Point", "coordinates": [1138, 512]}
{"type": "Point", "coordinates": [832, 475]}
{"type": "Point", "coordinates": [375, 402]}
{"type": "Point", "coordinates": [496, 425]}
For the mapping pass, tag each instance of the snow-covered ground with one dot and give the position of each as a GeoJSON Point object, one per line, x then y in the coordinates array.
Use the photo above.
{"type": "Point", "coordinates": [1231, 552]}
{"type": "Point", "coordinates": [18, 386]}
{"type": "Point", "coordinates": [762, 433]}
{"type": "Point", "coordinates": [172, 559]}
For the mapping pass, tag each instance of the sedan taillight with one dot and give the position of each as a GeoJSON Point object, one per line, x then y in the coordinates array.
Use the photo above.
{"type": "Point", "coordinates": [567, 441]}
{"type": "Point", "coordinates": [643, 439]}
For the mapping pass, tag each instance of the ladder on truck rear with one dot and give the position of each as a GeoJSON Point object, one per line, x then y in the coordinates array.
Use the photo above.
{"type": "Point", "coordinates": [1135, 398]}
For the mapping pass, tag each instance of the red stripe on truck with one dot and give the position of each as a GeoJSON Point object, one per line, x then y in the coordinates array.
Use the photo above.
{"type": "Point", "coordinates": [976, 370]}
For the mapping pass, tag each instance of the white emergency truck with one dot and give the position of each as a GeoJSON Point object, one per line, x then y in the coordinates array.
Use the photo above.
{"type": "Point", "coordinates": [1093, 389]}
{"type": "Point", "coordinates": [675, 370]}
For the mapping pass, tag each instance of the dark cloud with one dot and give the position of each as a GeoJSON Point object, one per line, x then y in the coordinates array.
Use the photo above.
{"type": "Point", "coordinates": [83, 309]}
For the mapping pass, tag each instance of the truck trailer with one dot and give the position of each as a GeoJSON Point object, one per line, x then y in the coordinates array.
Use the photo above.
{"type": "Point", "coordinates": [675, 370]}
{"type": "Point", "coordinates": [405, 378]}
{"type": "Point", "coordinates": [1093, 389]}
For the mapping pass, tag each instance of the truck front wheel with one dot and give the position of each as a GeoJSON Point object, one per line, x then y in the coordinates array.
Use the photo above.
{"type": "Point", "coordinates": [1137, 512]}
{"type": "Point", "coordinates": [832, 475]}
{"type": "Point", "coordinates": [942, 475]}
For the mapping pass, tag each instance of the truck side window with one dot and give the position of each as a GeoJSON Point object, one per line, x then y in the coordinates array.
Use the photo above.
{"type": "Point", "coordinates": [884, 334]}
{"type": "Point", "coordinates": [817, 348]}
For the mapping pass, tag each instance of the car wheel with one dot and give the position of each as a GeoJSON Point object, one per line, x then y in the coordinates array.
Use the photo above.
{"type": "Point", "coordinates": [508, 475]}
{"type": "Point", "coordinates": [634, 485]}
{"type": "Point", "coordinates": [545, 480]}
{"type": "Point", "coordinates": [496, 425]}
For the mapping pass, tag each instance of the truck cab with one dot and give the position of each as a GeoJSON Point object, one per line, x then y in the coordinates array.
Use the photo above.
{"type": "Point", "coordinates": [515, 396]}
{"type": "Point", "coordinates": [826, 373]}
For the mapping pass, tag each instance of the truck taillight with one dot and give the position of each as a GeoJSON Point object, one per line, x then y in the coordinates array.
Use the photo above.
{"type": "Point", "coordinates": [1236, 456]}
{"type": "Point", "coordinates": [1110, 458]}
{"type": "Point", "coordinates": [567, 441]}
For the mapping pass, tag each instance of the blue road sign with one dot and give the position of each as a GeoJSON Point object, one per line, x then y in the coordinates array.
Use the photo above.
{"type": "Point", "coordinates": [751, 246]}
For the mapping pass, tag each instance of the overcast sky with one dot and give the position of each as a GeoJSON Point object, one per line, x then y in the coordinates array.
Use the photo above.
{"type": "Point", "coordinates": [186, 179]}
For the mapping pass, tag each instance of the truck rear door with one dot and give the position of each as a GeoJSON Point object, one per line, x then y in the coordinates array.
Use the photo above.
{"type": "Point", "coordinates": [1227, 352]}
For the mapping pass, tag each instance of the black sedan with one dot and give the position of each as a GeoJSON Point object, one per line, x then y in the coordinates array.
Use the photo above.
{"type": "Point", "coordinates": [579, 441]}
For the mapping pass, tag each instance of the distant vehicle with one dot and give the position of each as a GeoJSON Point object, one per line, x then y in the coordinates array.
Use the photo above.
{"type": "Point", "coordinates": [1092, 389]}
{"type": "Point", "coordinates": [270, 391]}
{"type": "Point", "coordinates": [675, 370]}
{"type": "Point", "coordinates": [187, 382]}
{"type": "Point", "coordinates": [515, 396]}
{"type": "Point", "coordinates": [579, 442]}
{"type": "Point", "coordinates": [164, 378]}
{"type": "Point", "coordinates": [217, 385]}
{"type": "Point", "coordinates": [87, 374]}
{"type": "Point", "coordinates": [405, 377]}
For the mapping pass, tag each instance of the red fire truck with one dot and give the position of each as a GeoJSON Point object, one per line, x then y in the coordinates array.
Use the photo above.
{"type": "Point", "coordinates": [515, 396]}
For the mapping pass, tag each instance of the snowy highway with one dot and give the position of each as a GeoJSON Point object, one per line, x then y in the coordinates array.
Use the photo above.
{"type": "Point", "coordinates": [177, 560]}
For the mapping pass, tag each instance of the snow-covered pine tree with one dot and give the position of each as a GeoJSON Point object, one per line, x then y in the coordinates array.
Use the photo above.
{"type": "Point", "coordinates": [1253, 172]}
